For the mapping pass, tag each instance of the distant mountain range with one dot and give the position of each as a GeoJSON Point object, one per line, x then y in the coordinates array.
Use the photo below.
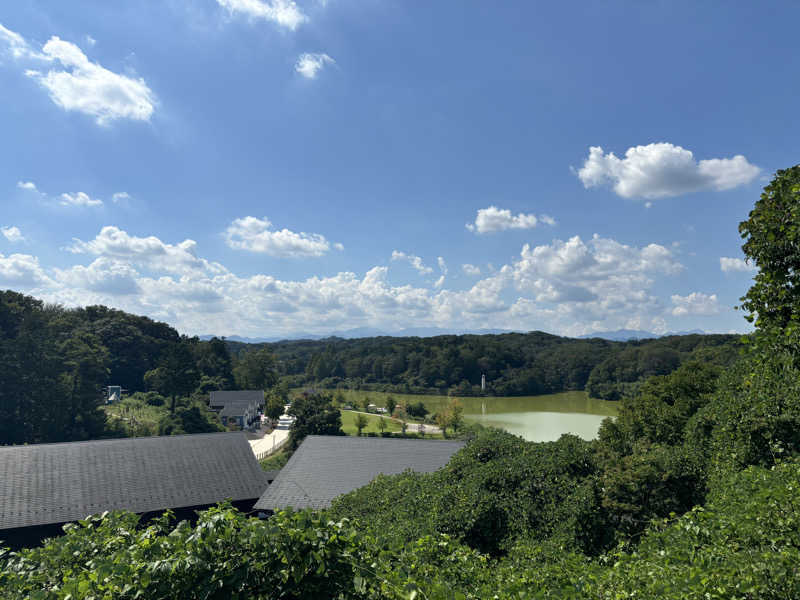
{"type": "Point", "coordinates": [624, 335]}
{"type": "Point", "coordinates": [620, 335]}
{"type": "Point", "coordinates": [365, 332]}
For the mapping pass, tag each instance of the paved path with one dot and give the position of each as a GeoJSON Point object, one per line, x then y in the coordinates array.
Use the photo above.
{"type": "Point", "coordinates": [264, 446]}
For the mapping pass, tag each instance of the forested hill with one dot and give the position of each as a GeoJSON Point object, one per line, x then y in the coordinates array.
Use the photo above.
{"type": "Point", "coordinates": [515, 364]}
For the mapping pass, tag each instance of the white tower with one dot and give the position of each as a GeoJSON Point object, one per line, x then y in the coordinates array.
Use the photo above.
{"type": "Point", "coordinates": [483, 382]}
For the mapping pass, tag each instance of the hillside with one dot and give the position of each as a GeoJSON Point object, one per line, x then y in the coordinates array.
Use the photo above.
{"type": "Point", "coordinates": [515, 364]}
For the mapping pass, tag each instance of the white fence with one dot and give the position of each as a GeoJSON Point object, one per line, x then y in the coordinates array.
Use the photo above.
{"type": "Point", "coordinates": [262, 448]}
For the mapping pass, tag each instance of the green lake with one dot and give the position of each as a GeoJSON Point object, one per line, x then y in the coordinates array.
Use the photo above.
{"type": "Point", "coordinates": [541, 418]}
{"type": "Point", "coordinates": [536, 418]}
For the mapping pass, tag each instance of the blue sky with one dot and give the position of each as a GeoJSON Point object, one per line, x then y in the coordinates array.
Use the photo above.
{"type": "Point", "coordinates": [264, 167]}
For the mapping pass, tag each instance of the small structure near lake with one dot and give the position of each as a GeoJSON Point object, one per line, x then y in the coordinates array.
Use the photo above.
{"type": "Point", "coordinates": [324, 467]}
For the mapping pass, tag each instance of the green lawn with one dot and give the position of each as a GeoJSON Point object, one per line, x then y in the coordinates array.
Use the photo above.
{"type": "Point", "coordinates": [349, 423]}
{"type": "Point", "coordinates": [576, 401]}
{"type": "Point", "coordinates": [276, 461]}
{"type": "Point", "coordinates": [134, 414]}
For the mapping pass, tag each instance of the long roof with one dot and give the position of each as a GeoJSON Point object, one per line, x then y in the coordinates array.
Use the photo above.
{"type": "Point", "coordinates": [57, 483]}
{"type": "Point", "coordinates": [234, 403]}
{"type": "Point", "coordinates": [324, 467]}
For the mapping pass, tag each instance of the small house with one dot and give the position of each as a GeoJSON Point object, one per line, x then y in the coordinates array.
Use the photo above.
{"type": "Point", "coordinates": [241, 407]}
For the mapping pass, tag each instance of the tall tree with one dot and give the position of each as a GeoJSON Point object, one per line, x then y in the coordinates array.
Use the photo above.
{"type": "Point", "coordinates": [256, 370]}
{"type": "Point", "coordinates": [315, 415]}
{"type": "Point", "coordinates": [214, 361]}
{"type": "Point", "coordinates": [176, 374]}
{"type": "Point", "coordinates": [772, 243]}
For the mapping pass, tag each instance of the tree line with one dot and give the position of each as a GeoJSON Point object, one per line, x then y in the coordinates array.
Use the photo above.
{"type": "Point", "coordinates": [515, 364]}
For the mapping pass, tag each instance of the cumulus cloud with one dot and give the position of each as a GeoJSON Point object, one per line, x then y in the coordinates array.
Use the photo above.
{"type": "Point", "coordinates": [570, 286]}
{"type": "Point", "coordinates": [257, 235]}
{"type": "Point", "coordinates": [120, 197]}
{"type": "Point", "coordinates": [413, 260]}
{"type": "Point", "coordinates": [696, 303]}
{"type": "Point", "coordinates": [21, 270]}
{"type": "Point", "coordinates": [471, 270]}
{"type": "Point", "coordinates": [494, 219]}
{"type": "Point", "coordinates": [103, 275]}
{"type": "Point", "coordinates": [12, 234]}
{"type": "Point", "coordinates": [602, 273]}
{"type": "Point", "coordinates": [735, 264]}
{"type": "Point", "coordinates": [661, 170]}
{"type": "Point", "coordinates": [309, 65]}
{"type": "Point", "coordinates": [27, 185]}
{"type": "Point", "coordinates": [148, 252]}
{"type": "Point", "coordinates": [281, 12]}
{"type": "Point", "coordinates": [87, 87]}
{"type": "Point", "coordinates": [79, 199]}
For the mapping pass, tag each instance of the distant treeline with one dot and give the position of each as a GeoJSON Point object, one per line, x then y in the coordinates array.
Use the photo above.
{"type": "Point", "coordinates": [515, 364]}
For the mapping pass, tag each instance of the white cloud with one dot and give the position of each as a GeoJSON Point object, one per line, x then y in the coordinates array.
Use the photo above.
{"type": "Point", "coordinates": [17, 45]}
{"type": "Point", "coordinates": [661, 170]}
{"type": "Point", "coordinates": [281, 12]}
{"type": "Point", "coordinates": [120, 197]}
{"type": "Point", "coordinates": [21, 270]}
{"type": "Point", "coordinates": [471, 270]}
{"type": "Point", "coordinates": [79, 199]}
{"type": "Point", "coordinates": [12, 234]}
{"type": "Point", "coordinates": [104, 275]}
{"type": "Point", "coordinates": [443, 268]}
{"type": "Point", "coordinates": [569, 287]}
{"type": "Point", "coordinates": [309, 65]}
{"type": "Point", "coordinates": [89, 88]}
{"type": "Point", "coordinates": [414, 261]}
{"type": "Point", "coordinates": [149, 252]}
{"type": "Point", "coordinates": [256, 235]}
{"type": "Point", "coordinates": [735, 264]}
{"type": "Point", "coordinates": [494, 219]}
{"type": "Point", "coordinates": [696, 303]}
{"type": "Point", "coordinates": [27, 185]}
{"type": "Point", "coordinates": [547, 220]}
{"type": "Point", "coordinates": [90, 40]}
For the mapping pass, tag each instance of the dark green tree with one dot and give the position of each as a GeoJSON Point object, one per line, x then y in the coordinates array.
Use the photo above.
{"type": "Point", "coordinates": [214, 361]}
{"type": "Point", "coordinates": [360, 422]}
{"type": "Point", "coordinates": [315, 415]}
{"type": "Point", "coordinates": [772, 243]}
{"type": "Point", "coordinates": [391, 404]}
{"type": "Point", "coordinates": [256, 370]}
{"type": "Point", "coordinates": [176, 374]}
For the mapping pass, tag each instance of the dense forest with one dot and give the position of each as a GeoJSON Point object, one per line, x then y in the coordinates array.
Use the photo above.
{"type": "Point", "coordinates": [690, 493]}
{"type": "Point", "coordinates": [515, 364]}
{"type": "Point", "coordinates": [56, 363]}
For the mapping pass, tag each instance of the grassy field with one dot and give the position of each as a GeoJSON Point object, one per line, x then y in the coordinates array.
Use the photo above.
{"type": "Point", "coordinates": [135, 415]}
{"type": "Point", "coordinates": [562, 402]}
{"type": "Point", "coordinates": [349, 423]}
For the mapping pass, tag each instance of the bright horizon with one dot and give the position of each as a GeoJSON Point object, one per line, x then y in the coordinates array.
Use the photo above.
{"type": "Point", "coordinates": [265, 168]}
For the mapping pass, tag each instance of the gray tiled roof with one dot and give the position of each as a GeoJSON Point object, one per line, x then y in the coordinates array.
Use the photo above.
{"type": "Point", "coordinates": [234, 403]}
{"type": "Point", "coordinates": [56, 483]}
{"type": "Point", "coordinates": [324, 467]}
